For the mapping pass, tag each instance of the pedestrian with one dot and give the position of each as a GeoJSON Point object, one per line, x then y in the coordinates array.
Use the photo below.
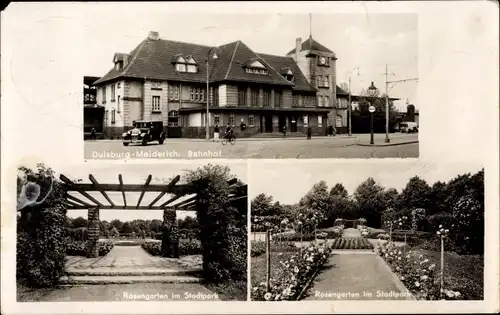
{"type": "Point", "coordinates": [216, 133]}
{"type": "Point", "coordinates": [330, 131]}
{"type": "Point", "coordinates": [93, 135]}
{"type": "Point", "coordinates": [284, 131]}
{"type": "Point", "coordinates": [309, 132]}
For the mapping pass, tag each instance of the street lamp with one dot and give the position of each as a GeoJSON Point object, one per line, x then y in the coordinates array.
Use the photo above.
{"type": "Point", "coordinates": [372, 91]}
{"type": "Point", "coordinates": [207, 128]}
{"type": "Point", "coordinates": [350, 105]}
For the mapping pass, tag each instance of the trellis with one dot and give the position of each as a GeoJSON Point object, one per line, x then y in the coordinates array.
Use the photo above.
{"type": "Point", "coordinates": [169, 207]}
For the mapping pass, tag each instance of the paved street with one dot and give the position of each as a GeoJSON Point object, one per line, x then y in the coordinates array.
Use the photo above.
{"type": "Point", "coordinates": [358, 146]}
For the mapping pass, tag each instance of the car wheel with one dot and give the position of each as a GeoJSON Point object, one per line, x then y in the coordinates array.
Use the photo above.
{"type": "Point", "coordinates": [160, 141]}
{"type": "Point", "coordinates": [144, 141]}
{"type": "Point", "coordinates": [125, 144]}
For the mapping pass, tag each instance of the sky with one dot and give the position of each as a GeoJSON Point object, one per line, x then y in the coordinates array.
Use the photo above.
{"type": "Point", "coordinates": [287, 183]}
{"type": "Point", "coordinates": [364, 41]}
{"type": "Point", "coordinates": [134, 173]}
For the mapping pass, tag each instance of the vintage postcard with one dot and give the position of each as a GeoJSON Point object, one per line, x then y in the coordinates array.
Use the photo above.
{"type": "Point", "coordinates": [250, 157]}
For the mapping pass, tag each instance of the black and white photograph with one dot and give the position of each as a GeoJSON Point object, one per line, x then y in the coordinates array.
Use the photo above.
{"type": "Point", "coordinates": [367, 231]}
{"type": "Point", "coordinates": [144, 233]}
{"type": "Point", "coordinates": [325, 86]}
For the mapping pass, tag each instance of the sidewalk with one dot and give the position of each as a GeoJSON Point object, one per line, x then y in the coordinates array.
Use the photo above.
{"type": "Point", "coordinates": [394, 138]}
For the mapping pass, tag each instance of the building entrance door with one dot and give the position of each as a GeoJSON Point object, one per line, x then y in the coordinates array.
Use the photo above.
{"type": "Point", "coordinates": [293, 124]}
{"type": "Point", "coordinates": [282, 122]}
{"type": "Point", "coordinates": [269, 123]}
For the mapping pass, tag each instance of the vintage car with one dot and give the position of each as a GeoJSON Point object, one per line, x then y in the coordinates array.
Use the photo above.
{"type": "Point", "coordinates": [144, 132]}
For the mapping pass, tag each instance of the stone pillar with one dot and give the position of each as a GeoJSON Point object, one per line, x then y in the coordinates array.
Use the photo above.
{"type": "Point", "coordinates": [170, 240]}
{"type": "Point", "coordinates": [93, 233]}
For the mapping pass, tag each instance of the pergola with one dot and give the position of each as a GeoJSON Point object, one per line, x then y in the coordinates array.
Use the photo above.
{"type": "Point", "coordinates": [74, 201]}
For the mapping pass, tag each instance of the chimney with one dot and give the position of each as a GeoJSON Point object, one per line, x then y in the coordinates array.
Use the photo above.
{"type": "Point", "coordinates": [154, 35]}
{"type": "Point", "coordinates": [298, 47]}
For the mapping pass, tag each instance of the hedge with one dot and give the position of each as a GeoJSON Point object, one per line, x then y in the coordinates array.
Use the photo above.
{"type": "Point", "coordinates": [186, 247]}
{"type": "Point", "coordinates": [79, 248]}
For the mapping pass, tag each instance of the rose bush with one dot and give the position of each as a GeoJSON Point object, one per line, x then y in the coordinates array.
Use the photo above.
{"type": "Point", "coordinates": [417, 273]}
{"type": "Point", "coordinates": [293, 275]}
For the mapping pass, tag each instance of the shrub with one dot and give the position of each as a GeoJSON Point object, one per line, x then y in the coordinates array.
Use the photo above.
{"type": "Point", "coordinates": [293, 275]}
{"type": "Point", "coordinates": [153, 248]}
{"type": "Point", "coordinates": [258, 248]}
{"type": "Point", "coordinates": [189, 247]}
{"type": "Point", "coordinates": [79, 248]}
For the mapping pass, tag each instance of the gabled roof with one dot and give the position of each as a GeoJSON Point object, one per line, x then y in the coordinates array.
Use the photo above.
{"type": "Point", "coordinates": [287, 63]}
{"type": "Point", "coordinates": [153, 59]}
{"type": "Point", "coordinates": [311, 44]}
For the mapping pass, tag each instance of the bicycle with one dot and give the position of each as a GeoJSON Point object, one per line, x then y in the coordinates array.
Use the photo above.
{"type": "Point", "coordinates": [229, 138]}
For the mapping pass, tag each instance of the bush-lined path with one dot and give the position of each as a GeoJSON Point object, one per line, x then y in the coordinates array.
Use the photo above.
{"type": "Point", "coordinates": [356, 275]}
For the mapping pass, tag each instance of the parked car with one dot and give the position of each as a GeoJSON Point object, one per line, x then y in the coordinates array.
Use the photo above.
{"type": "Point", "coordinates": [144, 132]}
{"type": "Point", "coordinates": [408, 127]}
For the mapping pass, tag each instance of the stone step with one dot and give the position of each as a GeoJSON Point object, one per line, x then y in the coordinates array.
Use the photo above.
{"type": "Point", "coordinates": [116, 272]}
{"type": "Point", "coordinates": [88, 280]}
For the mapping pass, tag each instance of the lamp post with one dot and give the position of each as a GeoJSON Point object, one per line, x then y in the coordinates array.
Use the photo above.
{"type": "Point", "coordinates": [349, 113]}
{"type": "Point", "coordinates": [372, 91]}
{"type": "Point", "coordinates": [207, 120]}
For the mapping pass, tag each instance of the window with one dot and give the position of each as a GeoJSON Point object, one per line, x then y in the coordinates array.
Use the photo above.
{"type": "Point", "coordinates": [156, 104]}
{"type": "Point", "coordinates": [217, 119]}
{"type": "Point", "coordinates": [301, 100]}
{"type": "Point", "coordinates": [320, 101]}
{"type": "Point", "coordinates": [306, 120]}
{"type": "Point", "coordinates": [319, 81]}
{"type": "Point", "coordinates": [277, 99]}
{"type": "Point", "coordinates": [215, 96]}
{"type": "Point", "coordinates": [118, 105]}
{"type": "Point", "coordinates": [251, 120]}
{"type": "Point", "coordinates": [180, 67]}
{"type": "Point", "coordinates": [326, 82]}
{"type": "Point", "coordinates": [106, 117]}
{"type": "Point", "coordinates": [192, 68]}
{"type": "Point", "coordinates": [231, 119]}
{"type": "Point", "coordinates": [267, 98]}
{"type": "Point", "coordinates": [113, 116]}
{"type": "Point", "coordinates": [327, 101]}
{"type": "Point", "coordinates": [338, 121]}
{"type": "Point", "coordinates": [320, 121]}
{"type": "Point", "coordinates": [173, 118]}
{"type": "Point", "coordinates": [119, 85]}
{"type": "Point", "coordinates": [255, 97]}
{"type": "Point", "coordinates": [242, 96]}
{"type": "Point", "coordinates": [197, 94]}
{"type": "Point", "coordinates": [104, 94]}
{"type": "Point", "coordinates": [112, 92]}
{"type": "Point", "coordinates": [155, 85]}
{"type": "Point", "coordinates": [173, 92]}
{"type": "Point", "coordinates": [256, 71]}
{"type": "Point", "coordinates": [294, 100]}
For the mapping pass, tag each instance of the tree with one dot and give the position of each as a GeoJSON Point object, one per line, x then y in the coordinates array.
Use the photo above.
{"type": "Point", "coordinates": [391, 198]}
{"type": "Point", "coordinates": [156, 225]}
{"type": "Point", "coordinates": [261, 205]}
{"type": "Point", "coordinates": [114, 232]}
{"type": "Point", "coordinates": [79, 222]}
{"type": "Point", "coordinates": [117, 224]}
{"type": "Point", "coordinates": [339, 191]}
{"type": "Point", "coordinates": [317, 199]}
{"type": "Point", "coordinates": [437, 198]}
{"type": "Point", "coordinates": [344, 86]}
{"type": "Point", "coordinates": [126, 228]}
{"type": "Point", "coordinates": [416, 194]}
{"type": "Point", "coordinates": [370, 201]}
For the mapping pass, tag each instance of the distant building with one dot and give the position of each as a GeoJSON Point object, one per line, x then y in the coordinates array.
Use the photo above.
{"type": "Point", "coordinates": [166, 80]}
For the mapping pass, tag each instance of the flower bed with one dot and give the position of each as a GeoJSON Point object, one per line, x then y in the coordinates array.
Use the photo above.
{"type": "Point", "coordinates": [186, 247]}
{"type": "Point", "coordinates": [259, 247]}
{"type": "Point", "coordinates": [293, 275]}
{"type": "Point", "coordinates": [79, 248]}
{"type": "Point", "coordinates": [416, 272]}
{"type": "Point", "coordinates": [351, 243]}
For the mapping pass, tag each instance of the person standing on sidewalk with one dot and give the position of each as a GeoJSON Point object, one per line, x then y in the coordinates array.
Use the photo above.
{"type": "Point", "coordinates": [284, 131]}
{"type": "Point", "coordinates": [216, 133]}
{"type": "Point", "coordinates": [93, 135]}
{"type": "Point", "coordinates": [309, 133]}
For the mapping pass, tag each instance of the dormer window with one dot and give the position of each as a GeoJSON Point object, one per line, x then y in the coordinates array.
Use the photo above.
{"type": "Point", "coordinates": [180, 63]}
{"type": "Point", "coordinates": [119, 65]}
{"type": "Point", "coordinates": [180, 67]}
{"type": "Point", "coordinates": [287, 74]}
{"type": "Point", "coordinates": [256, 67]}
{"type": "Point", "coordinates": [191, 65]}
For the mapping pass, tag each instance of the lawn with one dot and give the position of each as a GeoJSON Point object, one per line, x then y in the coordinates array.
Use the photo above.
{"type": "Point", "coordinates": [230, 290]}
{"type": "Point", "coordinates": [27, 294]}
{"type": "Point", "coordinates": [463, 273]}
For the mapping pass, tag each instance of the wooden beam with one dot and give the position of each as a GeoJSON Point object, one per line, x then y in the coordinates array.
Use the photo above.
{"type": "Point", "coordinates": [171, 200]}
{"type": "Point", "coordinates": [120, 178]}
{"type": "Point", "coordinates": [94, 181]}
{"type": "Point", "coordinates": [148, 180]}
{"type": "Point", "coordinates": [238, 198]}
{"type": "Point", "coordinates": [71, 205]}
{"type": "Point", "coordinates": [232, 181]}
{"type": "Point", "coordinates": [185, 189]}
{"type": "Point", "coordinates": [187, 201]}
{"type": "Point", "coordinates": [71, 187]}
{"type": "Point", "coordinates": [77, 200]}
{"type": "Point", "coordinates": [167, 188]}
{"type": "Point", "coordinates": [122, 207]}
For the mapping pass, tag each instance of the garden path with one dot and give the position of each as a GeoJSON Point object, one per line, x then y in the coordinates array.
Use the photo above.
{"type": "Point", "coordinates": [130, 259]}
{"type": "Point", "coordinates": [360, 276]}
{"type": "Point", "coordinates": [350, 232]}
